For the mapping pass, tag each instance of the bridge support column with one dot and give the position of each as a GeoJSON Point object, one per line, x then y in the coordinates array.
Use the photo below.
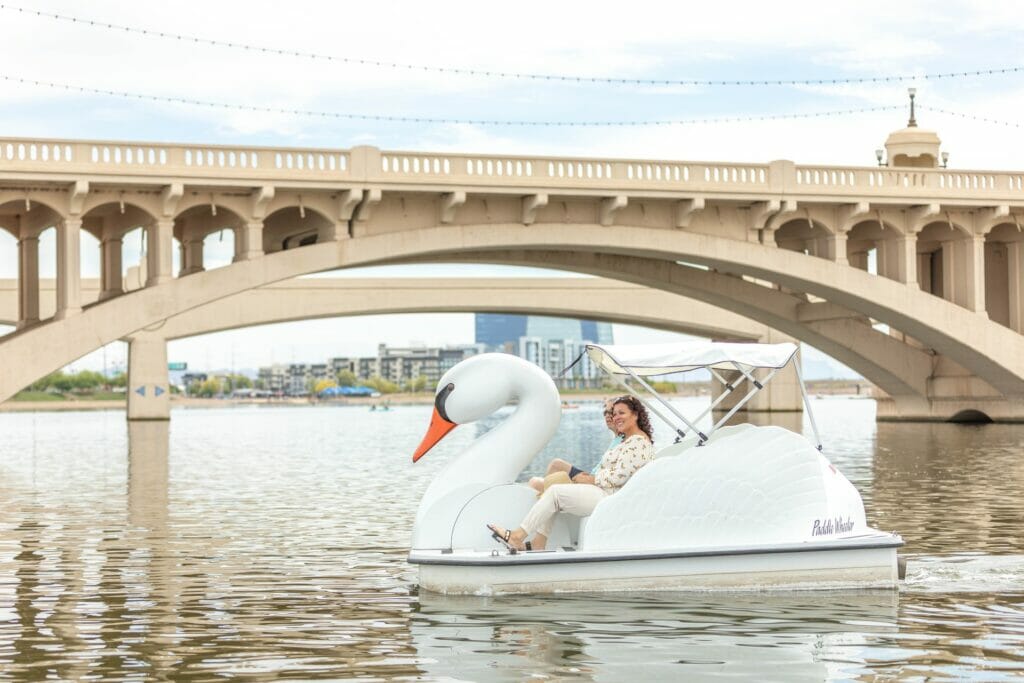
{"type": "Point", "coordinates": [953, 394]}
{"type": "Point", "coordinates": [192, 256]}
{"type": "Point", "coordinates": [158, 252]}
{"type": "Point", "coordinates": [781, 395]}
{"type": "Point", "coordinates": [249, 241]}
{"type": "Point", "coordinates": [969, 274]}
{"type": "Point", "coordinates": [28, 281]}
{"type": "Point", "coordinates": [1015, 270]}
{"type": "Point", "coordinates": [149, 396]}
{"type": "Point", "coordinates": [111, 280]}
{"type": "Point", "coordinates": [897, 259]}
{"type": "Point", "coordinates": [69, 268]}
{"type": "Point", "coordinates": [835, 248]}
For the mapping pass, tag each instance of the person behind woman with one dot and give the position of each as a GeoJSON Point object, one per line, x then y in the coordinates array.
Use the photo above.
{"type": "Point", "coordinates": [571, 471]}
{"type": "Point", "coordinates": [619, 463]}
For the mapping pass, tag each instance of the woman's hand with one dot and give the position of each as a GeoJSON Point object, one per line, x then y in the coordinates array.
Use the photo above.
{"type": "Point", "coordinates": [583, 478]}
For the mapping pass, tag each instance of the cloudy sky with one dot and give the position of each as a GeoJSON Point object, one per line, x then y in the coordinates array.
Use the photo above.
{"type": "Point", "coordinates": [643, 41]}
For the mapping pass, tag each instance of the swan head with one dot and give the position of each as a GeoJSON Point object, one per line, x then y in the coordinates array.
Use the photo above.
{"type": "Point", "coordinates": [472, 390]}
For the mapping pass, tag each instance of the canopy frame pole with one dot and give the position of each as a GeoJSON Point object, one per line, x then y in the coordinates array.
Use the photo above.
{"type": "Point", "coordinates": [757, 387]}
{"type": "Point", "coordinates": [637, 396]}
{"type": "Point", "coordinates": [656, 395]}
{"type": "Point", "coordinates": [807, 404]}
{"type": "Point", "coordinates": [730, 387]}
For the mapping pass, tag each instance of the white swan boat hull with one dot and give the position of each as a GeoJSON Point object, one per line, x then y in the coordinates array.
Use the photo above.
{"type": "Point", "coordinates": [864, 561]}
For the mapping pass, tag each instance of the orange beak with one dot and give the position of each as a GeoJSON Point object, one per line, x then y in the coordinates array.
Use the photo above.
{"type": "Point", "coordinates": [439, 427]}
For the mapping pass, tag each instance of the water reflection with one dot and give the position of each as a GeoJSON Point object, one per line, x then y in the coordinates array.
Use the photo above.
{"type": "Point", "coordinates": [966, 483]}
{"type": "Point", "coordinates": [270, 543]}
{"type": "Point", "coordinates": [659, 636]}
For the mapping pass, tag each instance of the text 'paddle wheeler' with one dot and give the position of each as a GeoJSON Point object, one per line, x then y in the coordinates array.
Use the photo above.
{"type": "Point", "coordinates": [741, 507]}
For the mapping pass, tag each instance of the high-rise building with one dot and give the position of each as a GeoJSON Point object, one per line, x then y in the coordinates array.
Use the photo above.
{"type": "Point", "coordinates": [552, 343]}
{"type": "Point", "coordinates": [495, 330]}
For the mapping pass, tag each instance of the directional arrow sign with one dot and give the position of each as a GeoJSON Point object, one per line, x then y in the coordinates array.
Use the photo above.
{"type": "Point", "coordinates": [141, 391]}
{"type": "Point", "coordinates": [158, 390]}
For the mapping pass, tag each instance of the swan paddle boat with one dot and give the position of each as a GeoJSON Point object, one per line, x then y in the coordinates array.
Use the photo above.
{"type": "Point", "coordinates": [727, 507]}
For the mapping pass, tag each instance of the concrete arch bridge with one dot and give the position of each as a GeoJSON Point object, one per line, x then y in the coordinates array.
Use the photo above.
{"type": "Point", "coordinates": [910, 274]}
{"type": "Point", "coordinates": [310, 298]}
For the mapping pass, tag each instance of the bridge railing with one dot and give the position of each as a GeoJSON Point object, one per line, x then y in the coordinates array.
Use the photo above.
{"type": "Point", "coordinates": [368, 164]}
{"type": "Point", "coordinates": [161, 159]}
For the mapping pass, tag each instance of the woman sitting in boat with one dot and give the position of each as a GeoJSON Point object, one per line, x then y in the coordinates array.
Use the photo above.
{"type": "Point", "coordinates": [561, 471]}
{"type": "Point", "coordinates": [629, 418]}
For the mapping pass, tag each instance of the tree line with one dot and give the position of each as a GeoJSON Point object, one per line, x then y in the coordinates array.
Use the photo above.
{"type": "Point", "coordinates": [84, 381]}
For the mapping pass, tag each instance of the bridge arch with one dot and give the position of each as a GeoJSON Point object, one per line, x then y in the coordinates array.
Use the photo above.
{"type": "Point", "coordinates": [294, 225]}
{"type": "Point", "coordinates": [990, 351]}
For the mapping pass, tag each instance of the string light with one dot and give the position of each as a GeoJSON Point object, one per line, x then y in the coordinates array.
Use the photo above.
{"type": "Point", "coordinates": [972, 117]}
{"type": "Point", "coordinates": [509, 75]}
{"type": "Point", "coordinates": [433, 120]}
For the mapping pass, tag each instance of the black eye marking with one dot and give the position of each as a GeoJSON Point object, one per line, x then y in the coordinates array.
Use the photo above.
{"type": "Point", "coordinates": [442, 396]}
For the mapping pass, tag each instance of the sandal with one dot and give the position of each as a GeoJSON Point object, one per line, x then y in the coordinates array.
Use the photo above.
{"type": "Point", "coordinates": [504, 539]}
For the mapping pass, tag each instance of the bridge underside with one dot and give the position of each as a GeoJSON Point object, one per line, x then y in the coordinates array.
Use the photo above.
{"type": "Point", "coordinates": [937, 328]}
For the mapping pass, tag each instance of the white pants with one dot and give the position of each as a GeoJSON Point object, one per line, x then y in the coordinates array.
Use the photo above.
{"type": "Point", "coordinates": [576, 499]}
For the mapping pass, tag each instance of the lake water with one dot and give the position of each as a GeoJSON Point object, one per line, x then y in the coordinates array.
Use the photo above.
{"type": "Point", "coordinates": [270, 543]}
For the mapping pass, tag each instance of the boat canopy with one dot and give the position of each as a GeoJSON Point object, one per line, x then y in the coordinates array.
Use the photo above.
{"type": "Point", "coordinates": [648, 360]}
{"type": "Point", "coordinates": [754, 364]}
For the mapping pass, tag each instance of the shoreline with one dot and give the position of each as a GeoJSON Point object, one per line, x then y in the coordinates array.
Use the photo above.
{"type": "Point", "coordinates": [14, 406]}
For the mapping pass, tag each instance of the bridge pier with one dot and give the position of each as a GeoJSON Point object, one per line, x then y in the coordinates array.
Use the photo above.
{"type": "Point", "coordinates": [28, 280]}
{"type": "Point", "coordinates": [149, 396]}
{"type": "Point", "coordinates": [953, 394]}
{"type": "Point", "coordinates": [781, 395]}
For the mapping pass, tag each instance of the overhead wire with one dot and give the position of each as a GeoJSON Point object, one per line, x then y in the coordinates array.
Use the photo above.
{"type": "Point", "coordinates": [508, 75]}
{"type": "Point", "coordinates": [439, 120]}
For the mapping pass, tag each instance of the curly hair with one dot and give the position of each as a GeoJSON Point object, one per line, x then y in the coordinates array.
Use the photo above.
{"type": "Point", "coordinates": [643, 420]}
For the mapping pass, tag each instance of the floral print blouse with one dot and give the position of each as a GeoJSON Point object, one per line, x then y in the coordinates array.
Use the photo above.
{"type": "Point", "coordinates": [621, 462]}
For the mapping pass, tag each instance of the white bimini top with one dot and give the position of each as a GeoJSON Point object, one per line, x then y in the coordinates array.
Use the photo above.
{"type": "Point", "coordinates": [661, 359]}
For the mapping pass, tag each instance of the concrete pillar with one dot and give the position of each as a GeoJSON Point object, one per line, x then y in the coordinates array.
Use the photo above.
{"type": "Point", "coordinates": [111, 280]}
{"type": "Point", "coordinates": [332, 232]}
{"type": "Point", "coordinates": [969, 262]}
{"type": "Point", "coordinates": [835, 248]}
{"type": "Point", "coordinates": [192, 255]}
{"type": "Point", "coordinates": [1015, 271]}
{"type": "Point", "coordinates": [149, 395]}
{"type": "Point", "coordinates": [948, 284]}
{"type": "Point", "coordinates": [249, 241]}
{"type": "Point", "coordinates": [160, 242]}
{"type": "Point", "coordinates": [28, 281]}
{"type": "Point", "coordinates": [69, 268]}
{"type": "Point", "coordinates": [905, 259]}
{"type": "Point", "coordinates": [897, 258]}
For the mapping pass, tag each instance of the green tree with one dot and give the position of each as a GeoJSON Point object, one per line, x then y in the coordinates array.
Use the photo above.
{"type": "Point", "coordinates": [323, 384]}
{"type": "Point", "coordinates": [209, 388]}
{"type": "Point", "coordinates": [240, 382]}
{"type": "Point", "coordinates": [46, 382]}
{"type": "Point", "coordinates": [347, 378]}
{"type": "Point", "coordinates": [62, 382]}
{"type": "Point", "coordinates": [418, 383]}
{"type": "Point", "coordinates": [118, 380]}
{"type": "Point", "coordinates": [382, 385]}
{"type": "Point", "coordinates": [86, 381]}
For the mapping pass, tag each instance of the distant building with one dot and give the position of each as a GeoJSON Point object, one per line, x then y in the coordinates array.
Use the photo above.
{"type": "Point", "coordinates": [402, 364]}
{"type": "Point", "coordinates": [395, 364]}
{"type": "Point", "coordinates": [551, 343]}
{"type": "Point", "coordinates": [274, 379]}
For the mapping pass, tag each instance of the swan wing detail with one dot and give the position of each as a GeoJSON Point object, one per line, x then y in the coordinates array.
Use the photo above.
{"type": "Point", "coordinates": [752, 485]}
